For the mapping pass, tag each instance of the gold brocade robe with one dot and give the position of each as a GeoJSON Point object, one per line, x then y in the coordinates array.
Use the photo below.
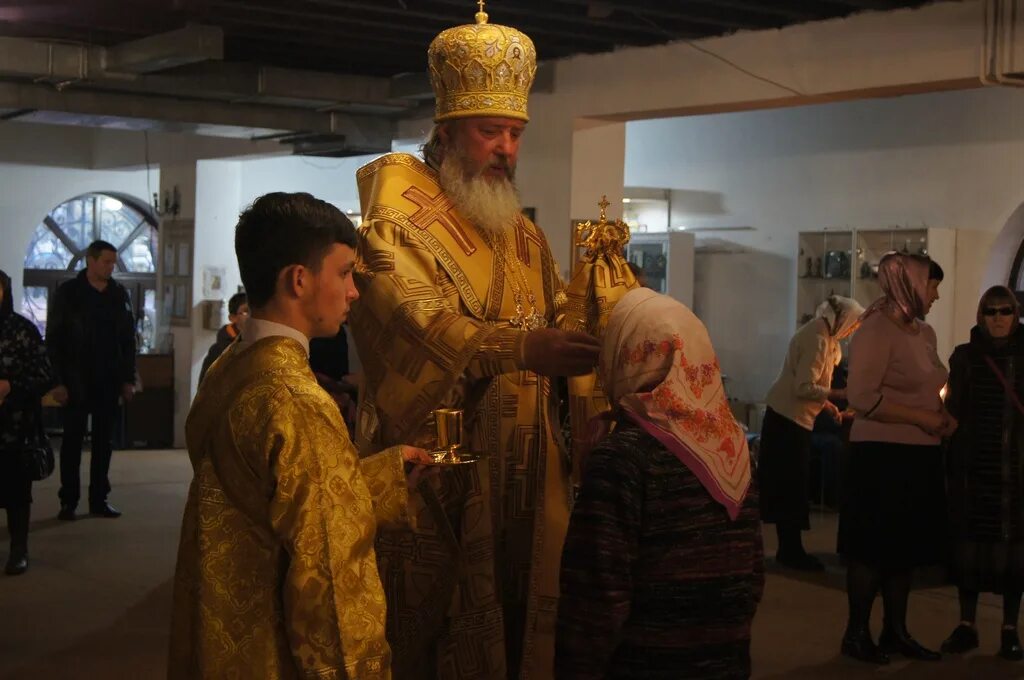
{"type": "Point", "coordinates": [472, 593]}
{"type": "Point", "coordinates": [276, 574]}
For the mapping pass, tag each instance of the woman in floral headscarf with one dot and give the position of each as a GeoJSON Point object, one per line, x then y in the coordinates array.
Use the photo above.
{"type": "Point", "coordinates": [662, 568]}
{"type": "Point", "coordinates": [893, 517]}
{"type": "Point", "coordinates": [802, 391]}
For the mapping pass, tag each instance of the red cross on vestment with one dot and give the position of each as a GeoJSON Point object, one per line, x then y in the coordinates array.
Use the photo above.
{"type": "Point", "coordinates": [437, 209]}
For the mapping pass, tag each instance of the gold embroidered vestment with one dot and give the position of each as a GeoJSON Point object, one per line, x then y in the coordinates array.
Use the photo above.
{"type": "Point", "coordinates": [276, 574]}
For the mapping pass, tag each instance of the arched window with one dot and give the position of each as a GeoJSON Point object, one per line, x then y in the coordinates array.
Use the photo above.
{"type": "Point", "coordinates": [57, 252]}
{"type": "Point", "coordinates": [1017, 271]}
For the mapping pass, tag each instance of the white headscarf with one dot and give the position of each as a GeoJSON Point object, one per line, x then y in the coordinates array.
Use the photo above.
{"type": "Point", "coordinates": [839, 313]}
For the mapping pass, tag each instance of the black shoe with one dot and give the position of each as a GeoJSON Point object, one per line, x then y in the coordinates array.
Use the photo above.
{"type": "Point", "coordinates": [800, 562]}
{"type": "Point", "coordinates": [17, 563]}
{"type": "Point", "coordinates": [104, 509]}
{"type": "Point", "coordinates": [964, 638]}
{"type": "Point", "coordinates": [892, 643]}
{"type": "Point", "coordinates": [67, 513]}
{"type": "Point", "coordinates": [1010, 648]}
{"type": "Point", "coordinates": [860, 646]}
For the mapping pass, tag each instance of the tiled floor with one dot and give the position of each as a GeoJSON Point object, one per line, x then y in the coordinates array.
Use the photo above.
{"type": "Point", "coordinates": [96, 601]}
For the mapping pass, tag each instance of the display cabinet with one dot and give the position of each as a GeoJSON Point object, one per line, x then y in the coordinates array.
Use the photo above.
{"type": "Point", "coordinates": [667, 262]}
{"type": "Point", "coordinates": [824, 267]}
{"type": "Point", "coordinates": [845, 262]}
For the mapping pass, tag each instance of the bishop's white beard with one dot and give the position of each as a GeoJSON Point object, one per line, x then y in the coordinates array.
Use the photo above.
{"type": "Point", "coordinates": [491, 205]}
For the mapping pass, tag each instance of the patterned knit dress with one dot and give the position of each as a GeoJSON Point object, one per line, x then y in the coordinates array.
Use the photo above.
{"type": "Point", "coordinates": [656, 581]}
{"type": "Point", "coordinates": [985, 471]}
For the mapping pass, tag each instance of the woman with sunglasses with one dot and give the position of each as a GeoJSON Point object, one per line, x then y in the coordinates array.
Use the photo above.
{"type": "Point", "coordinates": [985, 475]}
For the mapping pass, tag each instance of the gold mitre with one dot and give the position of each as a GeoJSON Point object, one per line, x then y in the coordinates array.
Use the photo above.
{"type": "Point", "coordinates": [481, 69]}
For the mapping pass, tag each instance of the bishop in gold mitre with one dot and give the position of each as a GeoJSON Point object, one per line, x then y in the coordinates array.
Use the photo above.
{"type": "Point", "coordinates": [458, 297]}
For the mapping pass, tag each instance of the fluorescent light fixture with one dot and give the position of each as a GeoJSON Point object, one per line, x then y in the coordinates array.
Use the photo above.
{"type": "Point", "coordinates": [627, 200]}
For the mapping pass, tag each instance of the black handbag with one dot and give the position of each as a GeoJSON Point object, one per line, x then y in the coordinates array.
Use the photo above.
{"type": "Point", "coordinates": [37, 455]}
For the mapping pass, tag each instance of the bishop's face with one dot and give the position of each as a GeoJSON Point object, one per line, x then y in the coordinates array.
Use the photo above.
{"type": "Point", "coordinates": [489, 146]}
{"type": "Point", "coordinates": [478, 169]}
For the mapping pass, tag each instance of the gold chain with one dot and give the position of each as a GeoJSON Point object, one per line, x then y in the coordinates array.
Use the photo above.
{"type": "Point", "coordinates": [522, 320]}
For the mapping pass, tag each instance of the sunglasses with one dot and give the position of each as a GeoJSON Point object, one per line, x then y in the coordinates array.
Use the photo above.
{"type": "Point", "coordinates": [1001, 311]}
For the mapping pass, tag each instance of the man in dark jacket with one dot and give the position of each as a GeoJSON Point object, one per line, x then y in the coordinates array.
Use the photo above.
{"type": "Point", "coordinates": [91, 339]}
{"type": "Point", "coordinates": [238, 311]}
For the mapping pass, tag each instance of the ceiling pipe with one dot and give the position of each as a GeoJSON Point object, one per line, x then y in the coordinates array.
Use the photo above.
{"type": "Point", "coordinates": [998, 43]}
{"type": "Point", "coordinates": [323, 113]}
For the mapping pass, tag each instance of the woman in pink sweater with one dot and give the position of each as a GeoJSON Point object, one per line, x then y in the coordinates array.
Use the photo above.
{"type": "Point", "coordinates": [893, 518]}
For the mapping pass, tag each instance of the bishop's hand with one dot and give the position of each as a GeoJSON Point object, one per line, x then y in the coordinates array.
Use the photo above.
{"type": "Point", "coordinates": [553, 352]}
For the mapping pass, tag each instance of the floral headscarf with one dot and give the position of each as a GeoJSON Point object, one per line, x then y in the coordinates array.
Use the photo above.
{"type": "Point", "coordinates": [839, 313]}
{"type": "Point", "coordinates": [659, 368]}
{"type": "Point", "coordinates": [904, 282]}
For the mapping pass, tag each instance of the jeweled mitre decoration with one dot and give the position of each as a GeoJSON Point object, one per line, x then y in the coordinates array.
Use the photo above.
{"type": "Point", "coordinates": [481, 69]}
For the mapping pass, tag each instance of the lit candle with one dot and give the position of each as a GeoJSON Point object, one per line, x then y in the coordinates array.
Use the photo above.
{"type": "Point", "coordinates": [942, 392]}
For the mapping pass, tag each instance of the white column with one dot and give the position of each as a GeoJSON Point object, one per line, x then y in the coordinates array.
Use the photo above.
{"type": "Point", "coordinates": [218, 199]}
{"type": "Point", "coordinates": [598, 167]}
{"type": "Point", "coordinates": [180, 177]}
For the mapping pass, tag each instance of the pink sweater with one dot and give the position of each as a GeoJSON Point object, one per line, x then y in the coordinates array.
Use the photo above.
{"type": "Point", "coordinates": [887, 363]}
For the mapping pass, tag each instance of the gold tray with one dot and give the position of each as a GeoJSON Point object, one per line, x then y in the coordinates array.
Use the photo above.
{"type": "Point", "coordinates": [442, 459]}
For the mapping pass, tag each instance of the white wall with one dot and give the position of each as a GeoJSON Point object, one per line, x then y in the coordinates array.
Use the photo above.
{"type": "Point", "coordinates": [651, 216]}
{"type": "Point", "coordinates": [218, 193]}
{"type": "Point", "coordinates": [330, 179]}
{"type": "Point", "coordinates": [736, 296]}
{"type": "Point", "coordinates": [948, 160]}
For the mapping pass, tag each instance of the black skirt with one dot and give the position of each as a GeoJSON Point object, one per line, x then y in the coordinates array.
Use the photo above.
{"type": "Point", "coordinates": [15, 484]}
{"type": "Point", "coordinates": [784, 468]}
{"type": "Point", "coordinates": [894, 512]}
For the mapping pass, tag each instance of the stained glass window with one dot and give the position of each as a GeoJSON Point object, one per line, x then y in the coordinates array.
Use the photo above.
{"type": "Point", "coordinates": [33, 306]}
{"type": "Point", "coordinates": [47, 251]}
{"type": "Point", "coordinates": [61, 238]}
{"type": "Point", "coordinates": [59, 243]}
{"type": "Point", "coordinates": [138, 255]}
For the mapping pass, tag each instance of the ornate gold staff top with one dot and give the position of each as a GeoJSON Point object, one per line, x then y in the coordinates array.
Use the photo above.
{"type": "Point", "coordinates": [604, 238]}
{"type": "Point", "coordinates": [602, 278]}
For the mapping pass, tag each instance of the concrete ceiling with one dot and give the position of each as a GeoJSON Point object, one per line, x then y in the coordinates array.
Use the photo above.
{"type": "Point", "coordinates": [329, 77]}
{"type": "Point", "coordinates": [388, 37]}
